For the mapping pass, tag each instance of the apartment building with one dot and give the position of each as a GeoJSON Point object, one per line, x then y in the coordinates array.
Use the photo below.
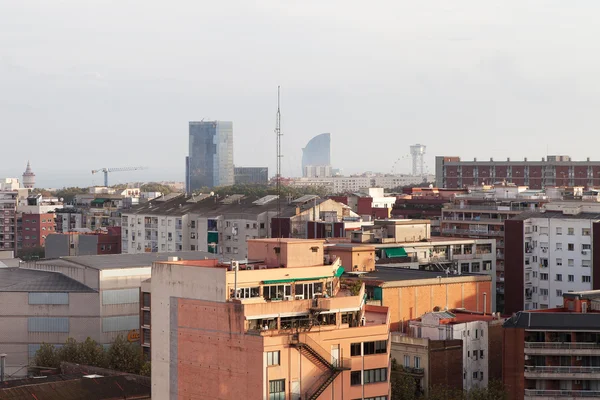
{"type": "Point", "coordinates": [554, 353]}
{"type": "Point", "coordinates": [479, 350]}
{"type": "Point", "coordinates": [35, 228]}
{"type": "Point", "coordinates": [282, 328]}
{"type": "Point", "coordinates": [84, 243]}
{"type": "Point", "coordinates": [408, 244]}
{"type": "Point", "coordinates": [550, 253]}
{"type": "Point", "coordinates": [431, 363]}
{"type": "Point", "coordinates": [223, 225]}
{"type": "Point", "coordinates": [251, 175]}
{"type": "Point", "coordinates": [372, 203]}
{"type": "Point", "coordinates": [452, 172]}
{"type": "Point", "coordinates": [8, 220]}
{"type": "Point", "coordinates": [42, 307]}
{"type": "Point", "coordinates": [69, 219]}
{"type": "Point", "coordinates": [481, 213]}
{"type": "Point", "coordinates": [345, 184]}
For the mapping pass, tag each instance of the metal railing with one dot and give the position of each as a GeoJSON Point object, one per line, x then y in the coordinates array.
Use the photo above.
{"type": "Point", "coordinates": [562, 393]}
{"type": "Point", "coordinates": [562, 370]}
{"type": "Point", "coordinates": [562, 345]}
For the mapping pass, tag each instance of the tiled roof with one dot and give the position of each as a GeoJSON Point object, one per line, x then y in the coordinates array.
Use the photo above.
{"type": "Point", "coordinates": [28, 280]}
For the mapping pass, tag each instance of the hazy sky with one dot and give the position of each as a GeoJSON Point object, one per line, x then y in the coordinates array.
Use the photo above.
{"type": "Point", "coordinates": [91, 84]}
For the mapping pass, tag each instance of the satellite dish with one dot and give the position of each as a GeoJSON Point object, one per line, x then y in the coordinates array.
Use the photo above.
{"type": "Point", "coordinates": [62, 199]}
{"type": "Point", "coordinates": [212, 193]}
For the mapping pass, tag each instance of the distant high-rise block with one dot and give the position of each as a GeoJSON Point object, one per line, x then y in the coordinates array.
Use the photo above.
{"type": "Point", "coordinates": [317, 153]}
{"type": "Point", "coordinates": [251, 175]}
{"type": "Point", "coordinates": [210, 160]}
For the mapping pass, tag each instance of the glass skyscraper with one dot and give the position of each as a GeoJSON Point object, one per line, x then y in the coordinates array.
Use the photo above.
{"type": "Point", "coordinates": [210, 160]}
{"type": "Point", "coordinates": [316, 156]}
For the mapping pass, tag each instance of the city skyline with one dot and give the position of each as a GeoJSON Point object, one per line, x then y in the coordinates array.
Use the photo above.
{"type": "Point", "coordinates": [453, 77]}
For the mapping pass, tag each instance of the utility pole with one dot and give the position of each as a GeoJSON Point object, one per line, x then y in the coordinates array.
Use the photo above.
{"type": "Point", "coordinates": [278, 135]}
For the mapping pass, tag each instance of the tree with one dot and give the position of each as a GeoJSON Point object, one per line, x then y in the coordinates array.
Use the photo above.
{"type": "Point", "coordinates": [404, 386]}
{"type": "Point", "coordinates": [156, 187]}
{"type": "Point", "coordinates": [46, 356]}
{"type": "Point", "coordinates": [440, 392]}
{"type": "Point", "coordinates": [68, 194]}
{"type": "Point", "coordinates": [125, 356]}
{"type": "Point", "coordinates": [31, 253]}
{"type": "Point", "coordinates": [146, 369]}
{"type": "Point", "coordinates": [91, 353]}
{"type": "Point", "coordinates": [69, 352]}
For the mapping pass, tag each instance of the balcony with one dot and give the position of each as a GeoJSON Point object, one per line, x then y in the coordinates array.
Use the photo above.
{"type": "Point", "coordinates": [557, 348]}
{"type": "Point", "coordinates": [469, 232]}
{"type": "Point", "coordinates": [559, 394]}
{"type": "Point", "coordinates": [555, 372]}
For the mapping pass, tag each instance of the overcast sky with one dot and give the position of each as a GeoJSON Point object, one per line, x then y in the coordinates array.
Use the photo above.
{"type": "Point", "coordinates": [91, 84]}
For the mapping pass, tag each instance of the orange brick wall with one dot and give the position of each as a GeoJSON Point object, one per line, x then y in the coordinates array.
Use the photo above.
{"type": "Point", "coordinates": [406, 303]}
{"type": "Point", "coordinates": [215, 359]}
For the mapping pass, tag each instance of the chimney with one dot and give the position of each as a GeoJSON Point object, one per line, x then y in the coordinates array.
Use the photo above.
{"type": "Point", "coordinates": [508, 159]}
{"type": "Point", "coordinates": [525, 159]}
{"type": "Point", "coordinates": [491, 159]}
{"type": "Point", "coordinates": [475, 160]}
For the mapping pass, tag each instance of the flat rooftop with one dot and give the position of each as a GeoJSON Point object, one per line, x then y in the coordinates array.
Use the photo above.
{"type": "Point", "coordinates": [395, 274]}
{"type": "Point", "coordinates": [554, 319]}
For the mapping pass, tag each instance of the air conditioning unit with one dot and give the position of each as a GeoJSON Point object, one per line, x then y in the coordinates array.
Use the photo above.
{"type": "Point", "coordinates": [236, 264]}
{"type": "Point", "coordinates": [262, 267]}
{"type": "Point", "coordinates": [584, 252]}
{"type": "Point", "coordinates": [526, 358]}
{"type": "Point", "coordinates": [248, 267]}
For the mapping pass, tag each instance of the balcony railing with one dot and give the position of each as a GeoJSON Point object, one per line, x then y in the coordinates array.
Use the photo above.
{"type": "Point", "coordinates": [446, 231]}
{"type": "Point", "coordinates": [563, 370]}
{"type": "Point", "coordinates": [560, 345]}
{"type": "Point", "coordinates": [562, 393]}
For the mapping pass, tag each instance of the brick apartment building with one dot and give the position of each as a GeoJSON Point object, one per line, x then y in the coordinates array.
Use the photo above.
{"type": "Point", "coordinates": [35, 228]}
{"type": "Point", "coordinates": [554, 353]}
{"type": "Point", "coordinates": [281, 328]}
{"type": "Point", "coordinates": [452, 172]}
{"type": "Point", "coordinates": [430, 362]}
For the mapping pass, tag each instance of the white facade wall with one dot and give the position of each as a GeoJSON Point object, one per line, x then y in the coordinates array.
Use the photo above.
{"type": "Point", "coordinates": [560, 260]}
{"type": "Point", "coordinates": [475, 346]}
{"type": "Point", "coordinates": [165, 233]}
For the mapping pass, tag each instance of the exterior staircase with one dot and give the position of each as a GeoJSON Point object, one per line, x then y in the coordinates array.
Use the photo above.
{"type": "Point", "coordinates": [316, 355]}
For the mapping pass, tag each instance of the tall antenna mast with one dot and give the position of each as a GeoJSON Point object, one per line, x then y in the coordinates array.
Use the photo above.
{"type": "Point", "coordinates": [278, 134]}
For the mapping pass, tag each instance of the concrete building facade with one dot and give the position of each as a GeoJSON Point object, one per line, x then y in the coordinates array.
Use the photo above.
{"type": "Point", "coordinates": [251, 175]}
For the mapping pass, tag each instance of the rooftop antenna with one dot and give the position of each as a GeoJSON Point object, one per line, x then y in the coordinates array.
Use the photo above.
{"type": "Point", "coordinates": [278, 135]}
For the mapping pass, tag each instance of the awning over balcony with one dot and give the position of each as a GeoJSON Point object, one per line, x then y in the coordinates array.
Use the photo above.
{"type": "Point", "coordinates": [213, 237]}
{"type": "Point", "coordinates": [339, 272]}
{"type": "Point", "coordinates": [395, 252]}
{"type": "Point", "coordinates": [292, 280]}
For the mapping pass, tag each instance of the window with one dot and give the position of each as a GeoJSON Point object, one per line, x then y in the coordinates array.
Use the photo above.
{"type": "Point", "coordinates": [49, 324]}
{"type": "Point", "coordinates": [586, 247]}
{"type": "Point", "coordinates": [378, 374]}
{"type": "Point", "coordinates": [527, 276]}
{"type": "Point", "coordinates": [192, 235]}
{"type": "Point", "coordinates": [559, 262]}
{"type": "Point", "coordinates": [193, 224]}
{"type": "Point", "coordinates": [407, 361]}
{"type": "Point", "coordinates": [417, 362]}
{"type": "Point", "coordinates": [559, 246]}
{"type": "Point", "coordinates": [227, 249]}
{"type": "Point", "coordinates": [535, 274]}
{"type": "Point", "coordinates": [571, 278]}
{"type": "Point", "coordinates": [571, 262]}
{"type": "Point", "coordinates": [277, 389]}
{"type": "Point", "coordinates": [464, 267]}
{"type": "Point", "coordinates": [246, 292]}
{"type": "Point", "coordinates": [120, 296]}
{"type": "Point", "coordinates": [475, 374]}
{"type": "Point", "coordinates": [169, 222]}
{"type": "Point", "coordinates": [377, 347]}
{"type": "Point", "coordinates": [559, 293]}
{"type": "Point", "coordinates": [48, 298]}
{"type": "Point", "coordinates": [193, 247]}
{"type": "Point", "coordinates": [475, 355]}
{"type": "Point", "coordinates": [377, 398]}
{"type": "Point", "coordinates": [585, 231]}
{"type": "Point", "coordinates": [480, 353]}
{"type": "Point", "coordinates": [475, 267]}
{"type": "Point", "coordinates": [571, 247]}
{"type": "Point", "coordinates": [558, 278]}
{"type": "Point", "coordinates": [543, 277]}
{"type": "Point", "coordinates": [273, 358]}
{"type": "Point", "coordinates": [570, 231]}
{"type": "Point", "coordinates": [276, 292]}
{"type": "Point", "coordinates": [543, 292]}
{"type": "Point", "coordinates": [355, 350]}
{"type": "Point", "coordinates": [534, 259]}
{"type": "Point", "coordinates": [228, 237]}
{"type": "Point", "coordinates": [355, 378]}
{"type": "Point", "coordinates": [586, 263]}
{"type": "Point", "coordinates": [262, 225]}
{"type": "Point", "coordinates": [558, 230]}
{"type": "Point", "coordinates": [535, 228]}
{"type": "Point", "coordinates": [487, 265]}
{"type": "Point", "coordinates": [586, 279]}
{"type": "Point", "coordinates": [235, 250]}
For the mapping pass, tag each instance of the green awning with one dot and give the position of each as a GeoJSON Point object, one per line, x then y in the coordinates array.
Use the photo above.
{"type": "Point", "coordinates": [99, 201]}
{"type": "Point", "coordinates": [213, 237]}
{"type": "Point", "coordinates": [339, 272]}
{"type": "Point", "coordinates": [395, 252]}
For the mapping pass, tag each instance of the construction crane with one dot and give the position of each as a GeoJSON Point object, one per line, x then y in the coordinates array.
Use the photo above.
{"type": "Point", "coordinates": [107, 170]}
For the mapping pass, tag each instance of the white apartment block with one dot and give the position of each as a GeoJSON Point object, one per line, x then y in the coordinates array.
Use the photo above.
{"type": "Point", "coordinates": [472, 329]}
{"type": "Point", "coordinates": [558, 247]}
{"type": "Point", "coordinates": [344, 184]}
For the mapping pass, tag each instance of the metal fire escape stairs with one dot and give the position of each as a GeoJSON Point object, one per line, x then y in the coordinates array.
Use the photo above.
{"type": "Point", "coordinates": [308, 348]}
